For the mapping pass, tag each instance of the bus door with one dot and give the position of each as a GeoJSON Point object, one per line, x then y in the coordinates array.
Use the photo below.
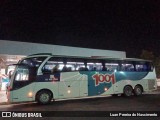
{"type": "Point", "coordinates": [69, 85]}
{"type": "Point", "coordinates": [21, 89]}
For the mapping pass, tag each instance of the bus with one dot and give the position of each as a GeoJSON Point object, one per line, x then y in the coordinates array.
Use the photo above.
{"type": "Point", "coordinates": [46, 77]}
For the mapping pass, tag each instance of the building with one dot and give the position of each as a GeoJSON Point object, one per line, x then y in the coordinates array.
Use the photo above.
{"type": "Point", "coordinates": [12, 51]}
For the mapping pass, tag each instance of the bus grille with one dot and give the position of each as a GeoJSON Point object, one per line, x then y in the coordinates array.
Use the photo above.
{"type": "Point", "coordinates": [151, 84]}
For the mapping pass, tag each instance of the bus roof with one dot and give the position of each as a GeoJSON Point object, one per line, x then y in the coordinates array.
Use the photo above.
{"type": "Point", "coordinates": [85, 57]}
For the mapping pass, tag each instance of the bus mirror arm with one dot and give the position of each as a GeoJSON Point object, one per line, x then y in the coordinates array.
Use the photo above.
{"type": "Point", "coordinates": [10, 76]}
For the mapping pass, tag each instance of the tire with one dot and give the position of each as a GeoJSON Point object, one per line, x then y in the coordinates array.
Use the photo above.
{"type": "Point", "coordinates": [128, 91]}
{"type": "Point", "coordinates": [44, 97]}
{"type": "Point", "coordinates": [138, 90]}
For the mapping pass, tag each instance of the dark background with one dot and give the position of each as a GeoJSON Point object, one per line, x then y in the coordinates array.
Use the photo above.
{"type": "Point", "coordinates": [123, 25]}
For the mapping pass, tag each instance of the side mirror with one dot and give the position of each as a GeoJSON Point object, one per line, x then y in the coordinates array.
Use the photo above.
{"type": "Point", "coordinates": [10, 74]}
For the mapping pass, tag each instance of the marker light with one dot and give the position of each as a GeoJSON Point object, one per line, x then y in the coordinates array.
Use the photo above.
{"type": "Point", "coordinates": [30, 94]}
{"type": "Point", "coordinates": [105, 89]}
{"type": "Point", "coordinates": [69, 91]}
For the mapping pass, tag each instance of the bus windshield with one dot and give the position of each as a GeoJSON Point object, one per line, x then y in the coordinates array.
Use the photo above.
{"type": "Point", "coordinates": [33, 61]}
{"type": "Point", "coordinates": [25, 71]}
{"type": "Point", "coordinates": [22, 73]}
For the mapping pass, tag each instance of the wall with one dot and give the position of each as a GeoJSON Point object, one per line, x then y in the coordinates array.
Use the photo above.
{"type": "Point", "coordinates": [24, 48]}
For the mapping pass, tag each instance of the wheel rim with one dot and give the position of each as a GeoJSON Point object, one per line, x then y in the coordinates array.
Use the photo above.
{"type": "Point", "coordinates": [138, 91]}
{"type": "Point", "coordinates": [128, 91]}
{"type": "Point", "coordinates": [44, 98]}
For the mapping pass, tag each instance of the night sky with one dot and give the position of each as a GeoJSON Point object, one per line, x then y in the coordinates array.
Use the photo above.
{"type": "Point", "coordinates": [123, 25]}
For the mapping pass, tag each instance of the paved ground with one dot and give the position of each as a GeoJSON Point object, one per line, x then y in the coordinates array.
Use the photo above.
{"type": "Point", "coordinates": [3, 97]}
{"type": "Point", "coordinates": [147, 102]}
{"type": "Point", "coordinates": [92, 107]}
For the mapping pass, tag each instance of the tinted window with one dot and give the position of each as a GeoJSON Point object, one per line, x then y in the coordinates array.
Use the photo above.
{"type": "Point", "coordinates": [112, 66]}
{"type": "Point", "coordinates": [75, 64]}
{"type": "Point", "coordinates": [143, 66]}
{"type": "Point", "coordinates": [94, 66]}
{"type": "Point", "coordinates": [64, 65]}
{"type": "Point", "coordinates": [34, 61]}
{"type": "Point", "coordinates": [22, 74]}
{"type": "Point", "coordinates": [53, 65]}
{"type": "Point", "coordinates": [127, 67]}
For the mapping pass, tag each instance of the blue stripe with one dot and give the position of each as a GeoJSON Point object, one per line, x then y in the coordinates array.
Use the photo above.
{"type": "Point", "coordinates": [97, 90]}
{"type": "Point", "coordinates": [94, 89]}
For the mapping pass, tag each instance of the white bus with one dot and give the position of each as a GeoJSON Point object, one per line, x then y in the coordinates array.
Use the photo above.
{"type": "Point", "coordinates": [44, 77]}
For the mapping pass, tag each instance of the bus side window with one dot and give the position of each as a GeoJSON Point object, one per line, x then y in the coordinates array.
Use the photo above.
{"type": "Point", "coordinates": [112, 66]}
{"type": "Point", "coordinates": [74, 64]}
{"type": "Point", "coordinates": [53, 65]}
{"type": "Point", "coordinates": [94, 66]}
{"type": "Point", "coordinates": [150, 66]}
{"type": "Point", "coordinates": [139, 67]}
{"type": "Point", "coordinates": [143, 67]}
{"type": "Point", "coordinates": [64, 69]}
{"type": "Point", "coordinates": [70, 66]}
{"type": "Point", "coordinates": [55, 69]}
{"type": "Point", "coordinates": [127, 67]}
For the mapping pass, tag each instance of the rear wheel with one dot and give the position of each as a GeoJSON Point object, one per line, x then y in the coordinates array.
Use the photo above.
{"type": "Point", "coordinates": [44, 97]}
{"type": "Point", "coordinates": [127, 91]}
{"type": "Point", "coordinates": [138, 90]}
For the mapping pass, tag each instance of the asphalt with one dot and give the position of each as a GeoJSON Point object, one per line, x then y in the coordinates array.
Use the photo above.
{"type": "Point", "coordinates": [3, 97]}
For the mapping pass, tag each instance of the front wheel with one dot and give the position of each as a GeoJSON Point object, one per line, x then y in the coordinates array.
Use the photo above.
{"type": "Point", "coordinates": [138, 90]}
{"type": "Point", "coordinates": [127, 91]}
{"type": "Point", "coordinates": [44, 97]}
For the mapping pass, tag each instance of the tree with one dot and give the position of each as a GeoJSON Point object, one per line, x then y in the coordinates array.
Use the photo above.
{"type": "Point", "coordinates": [157, 66]}
{"type": "Point", "coordinates": [148, 55]}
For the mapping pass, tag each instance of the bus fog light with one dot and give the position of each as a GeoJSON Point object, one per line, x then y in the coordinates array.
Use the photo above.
{"type": "Point", "coordinates": [30, 94]}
